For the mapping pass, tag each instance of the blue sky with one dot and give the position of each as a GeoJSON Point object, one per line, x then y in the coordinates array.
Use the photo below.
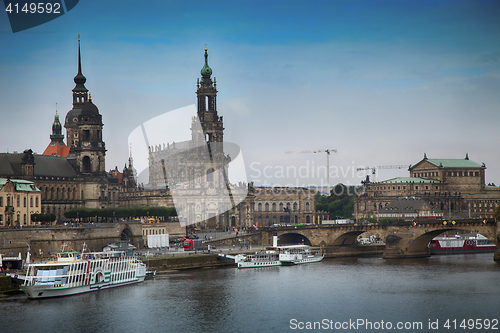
{"type": "Point", "coordinates": [381, 81]}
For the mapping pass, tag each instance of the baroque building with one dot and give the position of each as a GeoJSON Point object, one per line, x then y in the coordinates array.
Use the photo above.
{"type": "Point", "coordinates": [72, 175]}
{"type": "Point", "coordinates": [455, 187]}
{"type": "Point", "coordinates": [19, 199]}
{"type": "Point", "coordinates": [195, 175]}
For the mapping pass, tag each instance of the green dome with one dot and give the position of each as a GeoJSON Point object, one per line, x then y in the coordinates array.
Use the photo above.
{"type": "Point", "coordinates": [206, 71]}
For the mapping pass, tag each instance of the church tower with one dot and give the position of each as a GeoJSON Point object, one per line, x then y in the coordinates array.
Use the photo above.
{"type": "Point", "coordinates": [211, 123]}
{"type": "Point", "coordinates": [84, 128]}
{"type": "Point", "coordinates": [56, 146]}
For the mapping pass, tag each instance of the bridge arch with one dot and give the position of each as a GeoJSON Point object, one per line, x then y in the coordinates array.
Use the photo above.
{"type": "Point", "coordinates": [293, 238]}
{"type": "Point", "coordinates": [126, 234]}
{"type": "Point", "coordinates": [420, 243]}
{"type": "Point", "coordinates": [348, 238]}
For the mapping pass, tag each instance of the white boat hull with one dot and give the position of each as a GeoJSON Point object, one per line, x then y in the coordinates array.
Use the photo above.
{"type": "Point", "coordinates": [37, 291]}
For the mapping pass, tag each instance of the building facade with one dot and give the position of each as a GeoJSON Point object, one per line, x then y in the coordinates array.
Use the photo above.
{"type": "Point", "coordinates": [456, 187]}
{"type": "Point", "coordinates": [19, 199]}
{"type": "Point", "coordinates": [72, 175]}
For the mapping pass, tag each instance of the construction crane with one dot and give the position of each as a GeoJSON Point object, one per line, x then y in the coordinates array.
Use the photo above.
{"type": "Point", "coordinates": [327, 151]}
{"type": "Point", "coordinates": [374, 168]}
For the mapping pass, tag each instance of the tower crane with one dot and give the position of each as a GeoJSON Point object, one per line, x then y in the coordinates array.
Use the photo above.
{"type": "Point", "coordinates": [327, 151]}
{"type": "Point", "coordinates": [374, 168]}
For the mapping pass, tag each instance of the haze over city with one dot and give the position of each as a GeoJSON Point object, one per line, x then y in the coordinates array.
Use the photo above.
{"type": "Point", "coordinates": [383, 82]}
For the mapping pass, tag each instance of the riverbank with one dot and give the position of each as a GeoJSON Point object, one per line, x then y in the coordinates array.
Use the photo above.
{"type": "Point", "coordinates": [7, 286]}
{"type": "Point", "coordinates": [188, 261]}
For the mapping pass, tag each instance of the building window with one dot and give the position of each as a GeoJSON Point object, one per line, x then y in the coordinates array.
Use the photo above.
{"type": "Point", "coordinates": [18, 203]}
{"type": "Point", "coordinates": [31, 202]}
{"type": "Point", "coordinates": [259, 207]}
{"type": "Point", "coordinates": [294, 206]}
{"type": "Point", "coordinates": [267, 207]}
{"type": "Point", "coordinates": [274, 207]}
{"type": "Point", "coordinates": [1, 201]}
{"type": "Point", "coordinates": [210, 175]}
{"type": "Point", "coordinates": [281, 206]}
{"type": "Point", "coordinates": [24, 219]}
{"type": "Point", "coordinates": [36, 201]}
{"type": "Point", "coordinates": [24, 201]}
{"type": "Point", "coordinates": [307, 206]}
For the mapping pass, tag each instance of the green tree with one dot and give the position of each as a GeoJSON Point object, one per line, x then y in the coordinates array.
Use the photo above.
{"type": "Point", "coordinates": [340, 202]}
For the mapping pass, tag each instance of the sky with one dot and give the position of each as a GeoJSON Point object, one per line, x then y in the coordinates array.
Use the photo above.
{"type": "Point", "coordinates": [382, 82]}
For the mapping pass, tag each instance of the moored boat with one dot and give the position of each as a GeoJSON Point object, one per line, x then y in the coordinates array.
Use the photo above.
{"type": "Point", "coordinates": [299, 254]}
{"type": "Point", "coordinates": [277, 256]}
{"type": "Point", "coordinates": [467, 243]}
{"type": "Point", "coordinates": [71, 273]}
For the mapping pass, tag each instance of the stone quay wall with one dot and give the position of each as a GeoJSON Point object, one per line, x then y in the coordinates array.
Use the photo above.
{"type": "Point", "coordinates": [49, 240]}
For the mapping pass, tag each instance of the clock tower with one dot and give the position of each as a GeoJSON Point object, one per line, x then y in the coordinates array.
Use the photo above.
{"type": "Point", "coordinates": [84, 128]}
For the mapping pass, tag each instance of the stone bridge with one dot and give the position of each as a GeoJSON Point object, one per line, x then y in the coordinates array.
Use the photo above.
{"type": "Point", "coordinates": [403, 240]}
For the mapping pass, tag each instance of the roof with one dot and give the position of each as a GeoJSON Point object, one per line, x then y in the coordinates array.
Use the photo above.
{"type": "Point", "coordinates": [410, 180]}
{"type": "Point", "coordinates": [45, 165]}
{"type": "Point", "coordinates": [57, 149]}
{"type": "Point", "coordinates": [454, 163]}
{"type": "Point", "coordinates": [53, 166]}
{"type": "Point", "coordinates": [20, 184]}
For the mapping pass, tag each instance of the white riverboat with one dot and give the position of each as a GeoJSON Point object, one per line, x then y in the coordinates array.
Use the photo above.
{"type": "Point", "coordinates": [258, 259]}
{"type": "Point", "coordinates": [277, 256]}
{"type": "Point", "coordinates": [71, 273]}
{"type": "Point", "coordinates": [298, 254]}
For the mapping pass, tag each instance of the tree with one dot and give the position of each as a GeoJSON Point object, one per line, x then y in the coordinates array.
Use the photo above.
{"type": "Point", "coordinates": [340, 202]}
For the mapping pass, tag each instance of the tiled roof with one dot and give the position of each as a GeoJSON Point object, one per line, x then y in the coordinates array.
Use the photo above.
{"type": "Point", "coordinates": [57, 150]}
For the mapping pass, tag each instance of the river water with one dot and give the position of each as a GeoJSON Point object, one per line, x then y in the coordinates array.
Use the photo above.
{"type": "Point", "coordinates": [335, 295]}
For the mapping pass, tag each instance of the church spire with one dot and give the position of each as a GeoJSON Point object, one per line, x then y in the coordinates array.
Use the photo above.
{"type": "Point", "coordinates": [206, 71]}
{"type": "Point", "coordinates": [79, 92]}
{"type": "Point", "coordinates": [57, 135]}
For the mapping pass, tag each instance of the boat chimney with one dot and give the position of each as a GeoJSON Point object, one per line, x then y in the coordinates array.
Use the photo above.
{"type": "Point", "coordinates": [275, 241]}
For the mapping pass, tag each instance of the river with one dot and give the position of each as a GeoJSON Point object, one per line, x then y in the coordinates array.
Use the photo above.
{"type": "Point", "coordinates": [434, 294]}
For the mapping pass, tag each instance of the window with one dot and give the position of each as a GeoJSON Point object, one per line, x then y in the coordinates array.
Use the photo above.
{"type": "Point", "coordinates": [24, 201]}
{"type": "Point", "coordinates": [267, 207]}
{"type": "Point", "coordinates": [281, 206]}
{"type": "Point", "coordinates": [36, 201]}
{"type": "Point", "coordinates": [294, 206]}
{"type": "Point", "coordinates": [31, 202]}
{"type": "Point", "coordinates": [210, 175]}
{"type": "Point", "coordinates": [307, 206]}
{"type": "Point", "coordinates": [1, 201]}
{"type": "Point", "coordinates": [18, 203]}
{"type": "Point", "coordinates": [259, 207]}
{"type": "Point", "coordinates": [274, 207]}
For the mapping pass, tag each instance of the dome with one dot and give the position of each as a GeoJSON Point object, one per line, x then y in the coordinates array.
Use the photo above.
{"type": "Point", "coordinates": [206, 71]}
{"type": "Point", "coordinates": [89, 109]}
{"type": "Point", "coordinates": [72, 117]}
